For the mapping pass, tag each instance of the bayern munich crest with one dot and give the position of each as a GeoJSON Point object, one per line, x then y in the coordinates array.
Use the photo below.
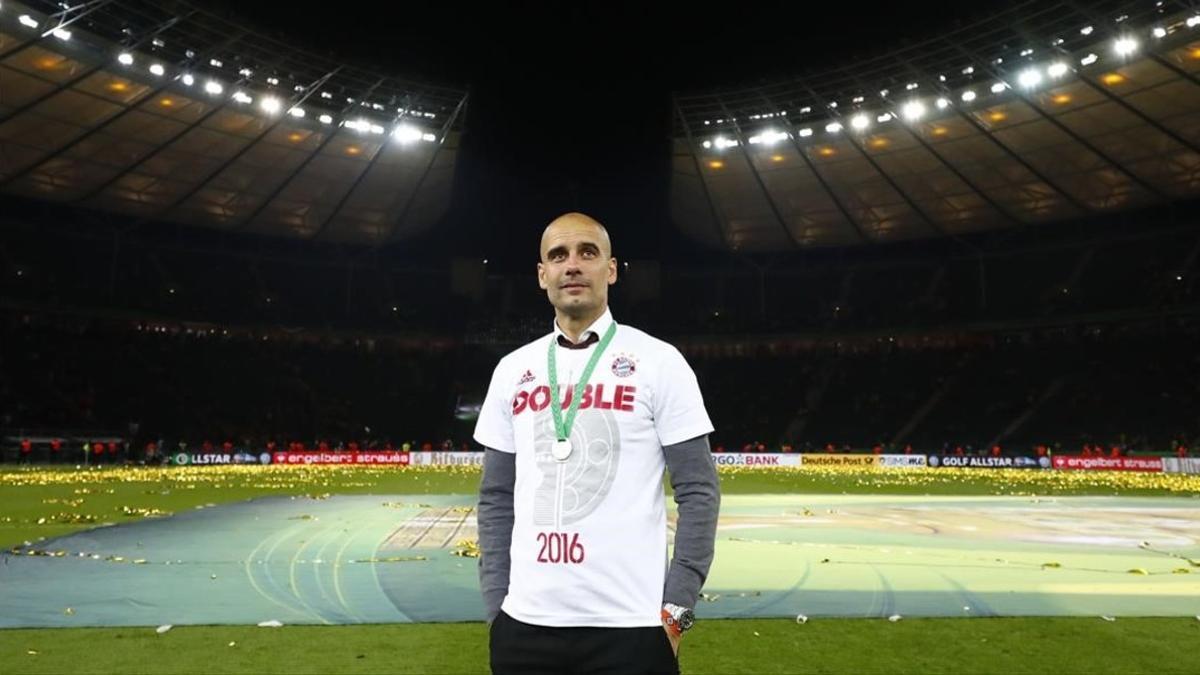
{"type": "Point", "coordinates": [624, 366]}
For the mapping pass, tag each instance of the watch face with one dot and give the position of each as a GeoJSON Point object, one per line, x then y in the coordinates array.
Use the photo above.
{"type": "Point", "coordinates": [686, 619]}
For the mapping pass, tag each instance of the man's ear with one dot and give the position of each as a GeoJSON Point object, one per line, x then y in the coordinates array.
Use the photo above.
{"type": "Point", "coordinates": [612, 271]}
{"type": "Point", "coordinates": [541, 276]}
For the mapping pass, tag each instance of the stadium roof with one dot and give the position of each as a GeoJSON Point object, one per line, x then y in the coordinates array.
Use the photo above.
{"type": "Point", "coordinates": [164, 111]}
{"type": "Point", "coordinates": [1045, 112]}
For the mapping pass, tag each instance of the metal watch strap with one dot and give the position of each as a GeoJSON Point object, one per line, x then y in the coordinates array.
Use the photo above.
{"type": "Point", "coordinates": [677, 617]}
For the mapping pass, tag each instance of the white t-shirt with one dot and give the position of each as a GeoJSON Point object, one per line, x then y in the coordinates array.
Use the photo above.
{"type": "Point", "coordinates": [589, 542]}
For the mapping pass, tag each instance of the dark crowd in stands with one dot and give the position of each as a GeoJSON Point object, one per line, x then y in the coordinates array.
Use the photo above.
{"type": "Point", "coordinates": [1082, 341]}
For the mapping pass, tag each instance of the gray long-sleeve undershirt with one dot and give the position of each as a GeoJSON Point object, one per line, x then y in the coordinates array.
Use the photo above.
{"type": "Point", "coordinates": [697, 495]}
{"type": "Point", "coordinates": [495, 518]}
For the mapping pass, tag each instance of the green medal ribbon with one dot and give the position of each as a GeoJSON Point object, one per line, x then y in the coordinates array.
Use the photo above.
{"type": "Point", "coordinates": [562, 428]}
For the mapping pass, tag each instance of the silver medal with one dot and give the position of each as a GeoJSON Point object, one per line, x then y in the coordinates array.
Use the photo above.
{"type": "Point", "coordinates": [561, 450]}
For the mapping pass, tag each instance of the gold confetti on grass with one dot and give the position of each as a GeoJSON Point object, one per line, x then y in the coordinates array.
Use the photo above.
{"type": "Point", "coordinates": [301, 478]}
{"type": "Point", "coordinates": [142, 512]}
{"type": "Point", "coordinates": [466, 548]}
{"type": "Point", "coordinates": [1022, 482]}
{"type": "Point", "coordinates": [67, 518]}
{"type": "Point", "coordinates": [65, 502]}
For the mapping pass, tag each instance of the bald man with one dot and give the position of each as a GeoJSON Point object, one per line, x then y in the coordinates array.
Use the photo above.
{"type": "Point", "coordinates": [578, 427]}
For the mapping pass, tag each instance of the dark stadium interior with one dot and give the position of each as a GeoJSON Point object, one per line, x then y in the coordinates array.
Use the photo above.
{"type": "Point", "coordinates": [1032, 279]}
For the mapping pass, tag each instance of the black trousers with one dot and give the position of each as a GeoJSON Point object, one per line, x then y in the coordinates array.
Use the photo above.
{"type": "Point", "coordinates": [525, 649]}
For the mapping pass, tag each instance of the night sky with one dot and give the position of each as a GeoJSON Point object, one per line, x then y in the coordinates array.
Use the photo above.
{"type": "Point", "coordinates": [570, 103]}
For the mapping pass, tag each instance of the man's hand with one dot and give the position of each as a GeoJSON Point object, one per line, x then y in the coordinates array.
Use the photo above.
{"type": "Point", "coordinates": [674, 638]}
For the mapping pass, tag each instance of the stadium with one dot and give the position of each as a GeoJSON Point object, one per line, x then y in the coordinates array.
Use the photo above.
{"type": "Point", "coordinates": [937, 272]}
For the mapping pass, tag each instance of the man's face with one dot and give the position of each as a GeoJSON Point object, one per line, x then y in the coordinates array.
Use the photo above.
{"type": "Point", "coordinates": [577, 267]}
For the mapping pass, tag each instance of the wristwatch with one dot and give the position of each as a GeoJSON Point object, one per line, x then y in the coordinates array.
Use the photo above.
{"type": "Point", "coordinates": [678, 619]}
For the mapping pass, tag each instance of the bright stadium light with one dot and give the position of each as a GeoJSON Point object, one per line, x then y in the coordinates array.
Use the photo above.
{"type": "Point", "coordinates": [999, 87]}
{"type": "Point", "coordinates": [805, 133]}
{"type": "Point", "coordinates": [1057, 69]}
{"type": "Point", "coordinates": [325, 119]}
{"type": "Point", "coordinates": [1125, 46]}
{"type": "Point", "coordinates": [1029, 78]}
{"type": "Point", "coordinates": [1086, 30]}
{"type": "Point", "coordinates": [61, 33]}
{"type": "Point", "coordinates": [1089, 60]}
{"type": "Point", "coordinates": [942, 103]}
{"type": "Point", "coordinates": [188, 80]}
{"type": "Point", "coordinates": [215, 63]}
{"type": "Point", "coordinates": [242, 97]}
{"type": "Point", "coordinates": [1193, 21]}
{"type": "Point", "coordinates": [296, 112]}
{"type": "Point", "coordinates": [1159, 32]}
{"type": "Point", "coordinates": [913, 110]}
{"type": "Point", "coordinates": [968, 70]}
{"type": "Point", "coordinates": [833, 127]}
{"type": "Point", "coordinates": [429, 138]}
{"type": "Point", "coordinates": [270, 105]}
{"type": "Point", "coordinates": [406, 133]}
{"type": "Point", "coordinates": [968, 96]}
{"type": "Point", "coordinates": [885, 117]}
{"type": "Point", "coordinates": [707, 145]}
{"type": "Point", "coordinates": [860, 122]}
{"type": "Point", "coordinates": [213, 87]}
{"type": "Point", "coordinates": [157, 69]}
{"type": "Point", "coordinates": [771, 137]}
{"type": "Point", "coordinates": [125, 59]}
{"type": "Point", "coordinates": [27, 21]}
